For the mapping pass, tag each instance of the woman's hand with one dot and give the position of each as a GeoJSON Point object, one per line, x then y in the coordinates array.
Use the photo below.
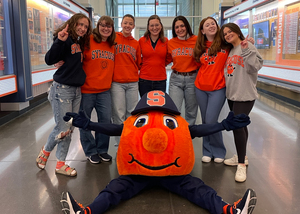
{"type": "Point", "coordinates": [59, 64]}
{"type": "Point", "coordinates": [244, 43]}
{"type": "Point", "coordinates": [63, 35]}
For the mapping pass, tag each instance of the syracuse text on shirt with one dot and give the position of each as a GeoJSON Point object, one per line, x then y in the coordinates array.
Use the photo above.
{"type": "Point", "coordinates": [121, 48]}
{"type": "Point", "coordinates": [96, 54]}
{"type": "Point", "coordinates": [235, 59]}
{"type": "Point", "coordinates": [182, 51]}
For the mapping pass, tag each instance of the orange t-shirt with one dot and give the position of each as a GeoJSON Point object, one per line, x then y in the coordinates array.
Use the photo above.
{"type": "Point", "coordinates": [153, 59]}
{"type": "Point", "coordinates": [210, 76]}
{"type": "Point", "coordinates": [98, 64]}
{"type": "Point", "coordinates": [127, 59]}
{"type": "Point", "coordinates": [182, 54]}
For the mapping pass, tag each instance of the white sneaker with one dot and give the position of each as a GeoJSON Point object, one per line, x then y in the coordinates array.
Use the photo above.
{"type": "Point", "coordinates": [206, 159]}
{"type": "Point", "coordinates": [240, 175]}
{"type": "Point", "coordinates": [218, 160]}
{"type": "Point", "coordinates": [234, 161]}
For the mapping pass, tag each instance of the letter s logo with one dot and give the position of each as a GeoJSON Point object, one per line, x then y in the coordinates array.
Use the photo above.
{"type": "Point", "coordinates": [156, 98]}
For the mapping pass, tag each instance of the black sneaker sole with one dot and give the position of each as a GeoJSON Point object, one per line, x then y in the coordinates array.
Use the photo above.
{"type": "Point", "coordinates": [93, 162]}
{"type": "Point", "coordinates": [105, 160]}
{"type": "Point", "coordinates": [252, 201]}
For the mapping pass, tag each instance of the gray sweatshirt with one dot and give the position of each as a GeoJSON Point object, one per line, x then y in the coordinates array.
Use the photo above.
{"type": "Point", "coordinates": [241, 69]}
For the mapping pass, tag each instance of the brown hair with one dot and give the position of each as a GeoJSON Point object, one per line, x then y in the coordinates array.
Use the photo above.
{"type": "Point", "coordinates": [186, 24]}
{"type": "Point", "coordinates": [84, 41]}
{"type": "Point", "coordinates": [200, 46]}
{"type": "Point", "coordinates": [161, 33]}
{"type": "Point", "coordinates": [97, 35]}
{"type": "Point", "coordinates": [129, 16]}
{"type": "Point", "coordinates": [234, 28]}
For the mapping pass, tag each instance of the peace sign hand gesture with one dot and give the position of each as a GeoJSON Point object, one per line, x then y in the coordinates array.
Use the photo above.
{"type": "Point", "coordinates": [244, 43]}
{"type": "Point", "coordinates": [63, 35]}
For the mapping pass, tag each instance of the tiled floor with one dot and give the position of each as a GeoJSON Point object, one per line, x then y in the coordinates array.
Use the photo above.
{"type": "Point", "coordinates": [273, 171]}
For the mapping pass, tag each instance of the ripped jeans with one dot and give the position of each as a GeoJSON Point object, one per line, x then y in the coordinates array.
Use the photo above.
{"type": "Point", "coordinates": [63, 98]}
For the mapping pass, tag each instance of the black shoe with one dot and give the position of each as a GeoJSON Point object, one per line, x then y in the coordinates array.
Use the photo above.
{"type": "Point", "coordinates": [70, 206]}
{"type": "Point", "coordinates": [105, 157]}
{"type": "Point", "coordinates": [94, 159]}
{"type": "Point", "coordinates": [244, 205]}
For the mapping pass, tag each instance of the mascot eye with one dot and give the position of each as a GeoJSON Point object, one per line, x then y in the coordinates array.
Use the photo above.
{"type": "Point", "coordinates": [170, 122]}
{"type": "Point", "coordinates": [141, 121]}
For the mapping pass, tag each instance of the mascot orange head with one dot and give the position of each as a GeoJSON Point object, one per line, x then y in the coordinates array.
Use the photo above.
{"type": "Point", "coordinates": [155, 140]}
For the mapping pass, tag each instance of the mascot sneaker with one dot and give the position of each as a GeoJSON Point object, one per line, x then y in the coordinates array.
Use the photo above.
{"type": "Point", "coordinates": [70, 206]}
{"type": "Point", "coordinates": [245, 205]}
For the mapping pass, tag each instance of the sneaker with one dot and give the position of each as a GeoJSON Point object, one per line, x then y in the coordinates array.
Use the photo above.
{"type": "Point", "coordinates": [105, 157]}
{"type": "Point", "coordinates": [70, 206]}
{"type": "Point", "coordinates": [206, 159]}
{"type": "Point", "coordinates": [94, 159]}
{"type": "Point", "coordinates": [218, 160]}
{"type": "Point", "coordinates": [240, 175]}
{"type": "Point", "coordinates": [234, 161]}
{"type": "Point", "coordinates": [245, 205]}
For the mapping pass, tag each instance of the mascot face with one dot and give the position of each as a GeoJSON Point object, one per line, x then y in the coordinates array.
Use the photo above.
{"type": "Point", "coordinates": [155, 143]}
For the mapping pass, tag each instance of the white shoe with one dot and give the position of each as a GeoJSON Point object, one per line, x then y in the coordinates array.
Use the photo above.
{"type": "Point", "coordinates": [240, 175]}
{"type": "Point", "coordinates": [218, 160]}
{"type": "Point", "coordinates": [234, 161]}
{"type": "Point", "coordinates": [206, 159]}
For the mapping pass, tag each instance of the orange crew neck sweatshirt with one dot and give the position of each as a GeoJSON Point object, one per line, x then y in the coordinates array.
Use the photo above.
{"type": "Point", "coordinates": [182, 54]}
{"type": "Point", "coordinates": [98, 64]}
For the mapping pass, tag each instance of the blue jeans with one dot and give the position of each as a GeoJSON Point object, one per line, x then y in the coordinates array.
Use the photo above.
{"type": "Point", "coordinates": [187, 186]}
{"type": "Point", "coordinates": [124, 96]}
{"type": "Point", "coordinates": [102, 104]}
{"type": "Point", "coordinates": [63, 99]}
{"type": "Point", "coordinates": [183, 87]}
{"type": "Point", "coordinates": [211, 103]}
{"type": "Point", "coordinates": [148, 85]}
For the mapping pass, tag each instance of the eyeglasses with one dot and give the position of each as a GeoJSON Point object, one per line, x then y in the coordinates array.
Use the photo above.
{"type": "Point", "coordinates": [105, 26]}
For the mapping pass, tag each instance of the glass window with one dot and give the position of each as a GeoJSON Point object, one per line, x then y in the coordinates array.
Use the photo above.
{"type": "Point", "coordinates": [43, 20]}
{"type": "Point", "coordinates": [242, 20]}
{"type": "Point", "coordinates": [144, 8]}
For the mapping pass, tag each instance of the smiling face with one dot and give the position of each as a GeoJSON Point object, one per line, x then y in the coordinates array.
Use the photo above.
{"type": "Point", "coordinates": [231, 37]}
{"type": "Point", "coordinates": [155, 144]}
{"type": "Point", "coordinates": [105, 30]}
{"type": "Point", "coordinates": [210, 28]}
{"type": "Point", "coordinates": [154, 27]}
{"type": "Point", "coordinates": [180, 29]}
{"type": "Point", "coordinates": [127, 26]}
{"type": "Point", "coordinates": [82, 26]}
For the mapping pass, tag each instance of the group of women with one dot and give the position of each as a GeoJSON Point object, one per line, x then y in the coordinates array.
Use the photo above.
{"type": "Point", "coordinates": [113, 69]}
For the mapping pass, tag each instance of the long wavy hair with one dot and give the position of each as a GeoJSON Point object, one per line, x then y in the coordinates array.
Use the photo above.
{"type": "Point", "coordinates": [83, 41]}
{"type": "Point", "coordinates": [97, 35]}
{"type": "Point", "coordinates": [234, 28]}
{"type": "Point", "coordinates": [200, 46]}
{"type": "Point", "coordinates": [186, 24]}
{"type": "Point", "coordinates": [161, 33]}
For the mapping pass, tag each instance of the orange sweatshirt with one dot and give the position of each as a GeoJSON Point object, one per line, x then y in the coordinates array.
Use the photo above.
{"type": "Point", "coordinates": [210, 76]}
{"type": "Point", "coordinates": [127, 59]}
{"type": "Point", "coordinates": [182, 54]}
{"type": "Point", "coordinates": [98, 64]}
{"type": "Point", "coordinates": [153, 60]}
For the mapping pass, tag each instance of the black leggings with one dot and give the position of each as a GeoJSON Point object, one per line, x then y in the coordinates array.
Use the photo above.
{"type": "Point", "coordinates": [241, 135]}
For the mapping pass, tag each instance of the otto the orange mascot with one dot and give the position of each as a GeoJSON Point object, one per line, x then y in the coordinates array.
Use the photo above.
{"type": "Point", "coordinates": [156, 149]}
